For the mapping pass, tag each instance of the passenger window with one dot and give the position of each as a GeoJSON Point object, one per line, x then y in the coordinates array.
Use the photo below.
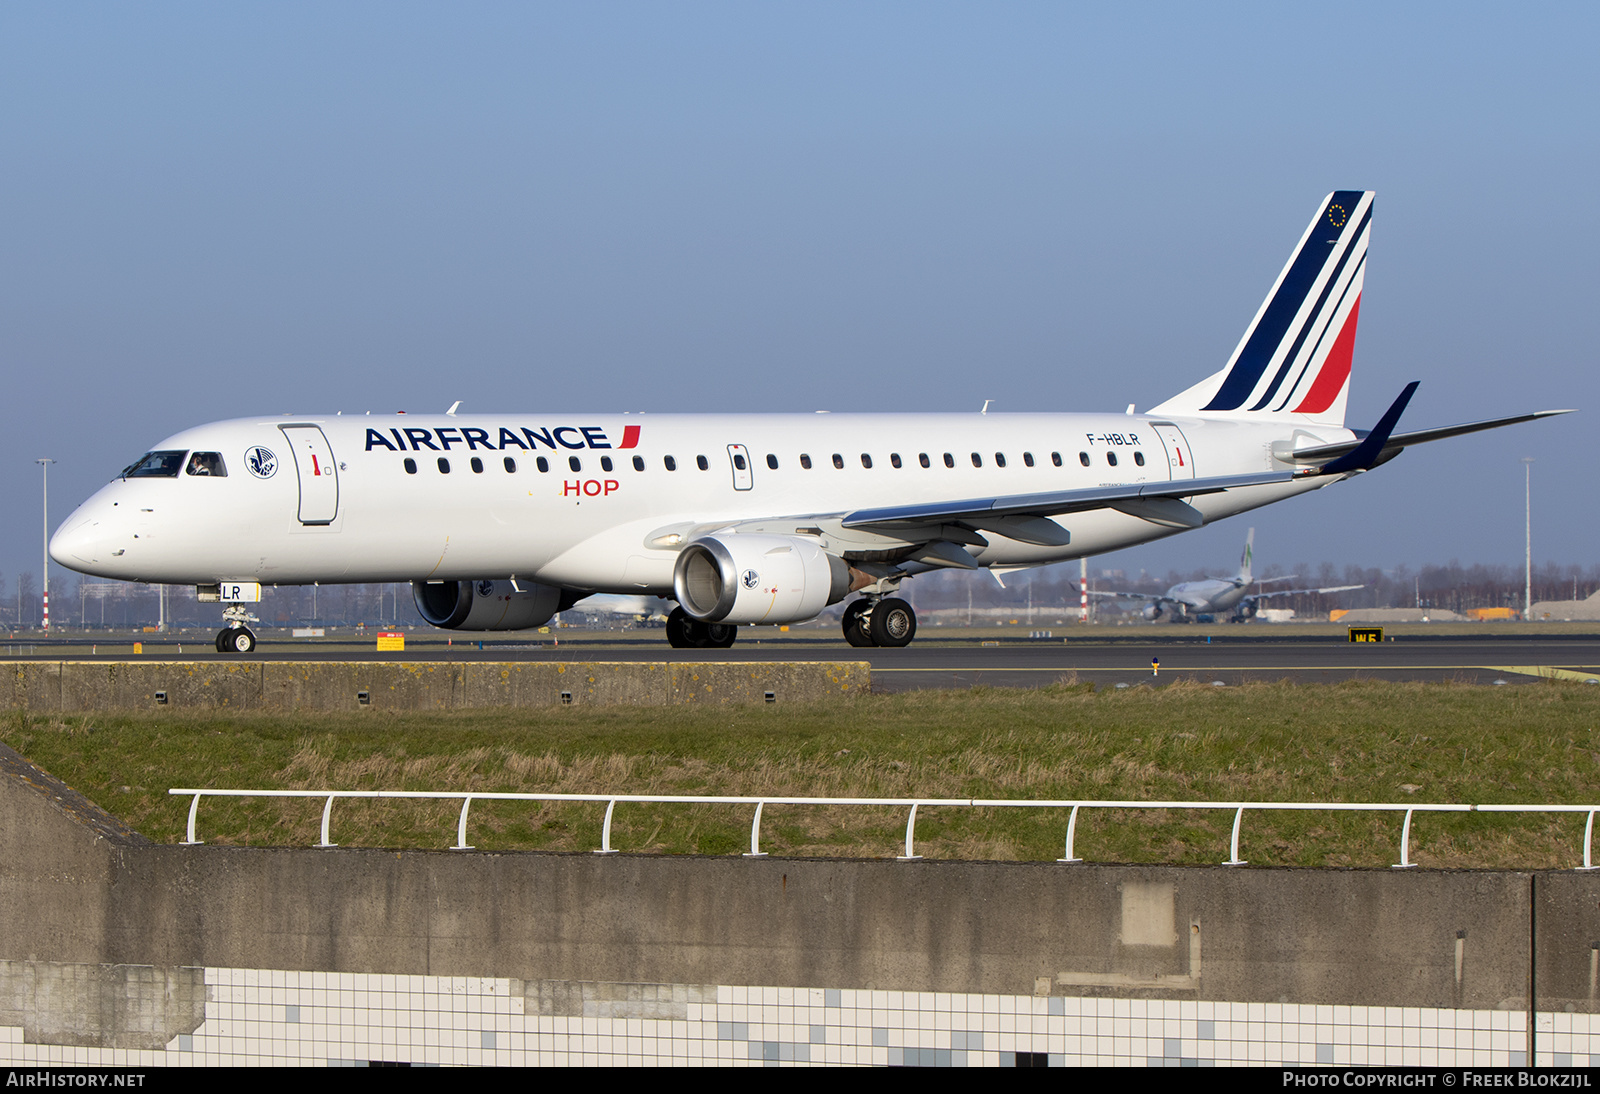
{"type": "Point", "coordinates": [411, 466]}
{"type": "Point", "coordinates": [156, 465]}
{"type": "Point", "coordinates": [922, 458]}
{"type": "Point", "coordinates": [866, 461]}
{"type": "Point", "coordinates": [511, 466]}
{"type": "Point", "coordinates": [738, 462]}
{"type": "Point", "coordinates": [477, 466]}
{"type": "Point", "coordinates": [638, 463]}
{"type": "Point", "coordinates": [977, 460]}
{"type": "Point", "coordinates": [1083, 458]}
{"type": "Point", "coordinates": [894, 459]}
{"type": "Point", "coordinates": [1138, 458]}
{"type": "Point", "coordinates": [1055, 458]}
{"type": "Point", "coordinates": [999, 459]}
{"type": "Point", "coordinates": [949, 460]}
{"type": "Point", "coordinates": [701, 463]}
{"type": "Point", "coordinates": [444, 466]}
{"type": "Point", "coordinates": [574, 463]}
{"type": "Point", "coordinates": [772, 461]}
{"type": "Point", "coordinates": [838, 461]}
{"type": "Point", "coordinates": [1111, 458]}
{"type": "Point", "coordinates": [669, 463]}
{"type": "Point", "coordinates": [542, 464]}
{"type": "Point", "coordinates": [805, 461]}
{"type": "Point", "coordinates": [207, 463]}
{"type": "Point", "coordinates": [605, 463]}
{"type": "Point", "coordinates": [1027, 459]}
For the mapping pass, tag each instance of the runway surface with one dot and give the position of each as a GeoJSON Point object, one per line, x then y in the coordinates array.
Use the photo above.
{"type": "Point", "coordinates": [962, 663]}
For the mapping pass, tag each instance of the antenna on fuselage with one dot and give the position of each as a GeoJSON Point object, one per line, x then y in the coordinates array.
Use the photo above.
{"type": "Point", "coordinates": [455, 406]}
{"type": "Point", "coordinates": [985, 410]}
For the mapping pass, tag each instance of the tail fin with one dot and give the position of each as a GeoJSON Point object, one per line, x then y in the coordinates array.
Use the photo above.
{"type": "Point", "coordinates": [1294, 359]}
{"type": "Point", "coordinates": [1247, 558]}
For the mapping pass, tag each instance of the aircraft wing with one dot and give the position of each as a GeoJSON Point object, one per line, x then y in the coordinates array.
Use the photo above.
{"type": "Point", "coordinates": [1292, 592]}
{"type": "Point", "coordinates": [1159, 502]}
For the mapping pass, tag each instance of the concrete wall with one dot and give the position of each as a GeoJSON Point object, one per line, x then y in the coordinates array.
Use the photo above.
{"type": "Point", "coordinates": [75, 890]}
{"type": "Point", "coordinates": [72, 686]}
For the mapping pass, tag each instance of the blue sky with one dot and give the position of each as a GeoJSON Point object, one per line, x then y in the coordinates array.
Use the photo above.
{"type": "Point", "coordinates": [221, 210]}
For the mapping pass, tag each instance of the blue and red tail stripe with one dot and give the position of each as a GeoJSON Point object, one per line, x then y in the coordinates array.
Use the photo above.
{"type": "Point", "coordinates": [1333, 246]}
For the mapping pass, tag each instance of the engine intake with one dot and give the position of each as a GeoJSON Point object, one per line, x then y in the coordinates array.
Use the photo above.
{"type": "Point", "coordinates": [733, 578]}
{"type": "Point", "coordinates": [485, 605]}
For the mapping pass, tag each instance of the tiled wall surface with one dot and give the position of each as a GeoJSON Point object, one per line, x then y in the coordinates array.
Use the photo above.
{"type": "Point", "coordinates": [301, 1018]}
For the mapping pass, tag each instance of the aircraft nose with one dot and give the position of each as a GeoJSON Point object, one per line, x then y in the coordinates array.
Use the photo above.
{"type": "Point", "coordinates": [79, 542]}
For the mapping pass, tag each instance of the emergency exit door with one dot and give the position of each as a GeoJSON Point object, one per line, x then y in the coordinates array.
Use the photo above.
{"type": "Point", "coordinates": [739, 459]}
{"type": "Point", "coordinates": [1180, 461]}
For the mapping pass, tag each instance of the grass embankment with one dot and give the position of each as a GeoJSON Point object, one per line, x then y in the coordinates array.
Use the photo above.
{"type": "Point", "coordinates": [1351, 742]}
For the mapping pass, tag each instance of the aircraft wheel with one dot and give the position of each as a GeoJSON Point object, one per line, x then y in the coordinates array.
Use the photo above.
{"type": "Point", "coordinates": [853, 623]}
{"type": "Point", "coordinates": [718, 636]}
{"type": "Point", "coordinates": [678, 630]}
{"type": "Point", "coordinates": [241, 640]}
{"type": "Point", "coordinates": [222, 640]}
{"type": "Point", "coordinates": [892, 623]}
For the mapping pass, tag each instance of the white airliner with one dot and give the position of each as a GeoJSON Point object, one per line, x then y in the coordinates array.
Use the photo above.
{"type": "Point", "coordinates": [1229, 597]}
{"type": "Point", "coordinates": [640, 609]}
{"type": "Point", "coordinates": [501, 520]}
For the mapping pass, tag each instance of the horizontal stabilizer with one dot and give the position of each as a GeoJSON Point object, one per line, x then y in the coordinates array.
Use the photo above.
{"type": "Point", "coordinates": [1398, 441]}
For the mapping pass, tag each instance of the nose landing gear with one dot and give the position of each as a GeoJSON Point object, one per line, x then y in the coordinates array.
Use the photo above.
{"type": "Point", "coordinates": [236, 640]}
{"type": "Point", "coordinates": [236, 637]}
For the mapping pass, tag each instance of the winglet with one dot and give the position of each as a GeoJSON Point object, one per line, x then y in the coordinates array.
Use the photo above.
{"type": "Point", "coordinates": [1365, 456]}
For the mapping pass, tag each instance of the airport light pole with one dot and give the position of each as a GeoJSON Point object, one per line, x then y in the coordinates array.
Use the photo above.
{"type": "Point", "coordinates": [1527, 513]}
{"type": "Point", "coordinates": [44, 465]}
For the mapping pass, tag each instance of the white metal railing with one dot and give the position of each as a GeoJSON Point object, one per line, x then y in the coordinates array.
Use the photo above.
{"type": "Point", "coordinates": [755, 851]}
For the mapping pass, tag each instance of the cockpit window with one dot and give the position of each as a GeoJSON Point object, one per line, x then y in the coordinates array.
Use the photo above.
{"type": "Point", "coordinates": [156, 465]}
{"type": "Point", "coordinates": [206, 463]}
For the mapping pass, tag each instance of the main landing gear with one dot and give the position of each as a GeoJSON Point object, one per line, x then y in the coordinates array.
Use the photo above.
{"type": "Point", "coordinates": [889, 621]}
{"type": "Point", "coordinates": [687, 633]}
{"type": "Point", "coordinates": [236, 637]}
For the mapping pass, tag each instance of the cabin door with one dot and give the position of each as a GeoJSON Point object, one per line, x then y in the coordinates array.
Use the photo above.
{"type": "Point", "coordinates": [319, 476]}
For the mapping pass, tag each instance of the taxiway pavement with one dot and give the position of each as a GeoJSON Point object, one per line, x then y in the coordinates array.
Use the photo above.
{"type": "Point", "coordinates": [1011, 662]}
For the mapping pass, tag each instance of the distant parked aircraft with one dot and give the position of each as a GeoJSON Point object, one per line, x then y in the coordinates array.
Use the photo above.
{"type": "Point", "coordinates": [1218, 596]}
{"type": "Point", "coordinates": [643, 609]}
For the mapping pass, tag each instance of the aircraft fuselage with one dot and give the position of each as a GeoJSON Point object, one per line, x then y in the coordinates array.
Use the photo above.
{"type": "Point", "coordinates": [425, 498]}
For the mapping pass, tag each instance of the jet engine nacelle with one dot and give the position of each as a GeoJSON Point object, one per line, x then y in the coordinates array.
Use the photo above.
{"type": "Point", "coordinates": [732, 578]}
{"type": "Point", "coordinates": [1152, 611]}
{"type": "Point", "coordinates": [485, 605]}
